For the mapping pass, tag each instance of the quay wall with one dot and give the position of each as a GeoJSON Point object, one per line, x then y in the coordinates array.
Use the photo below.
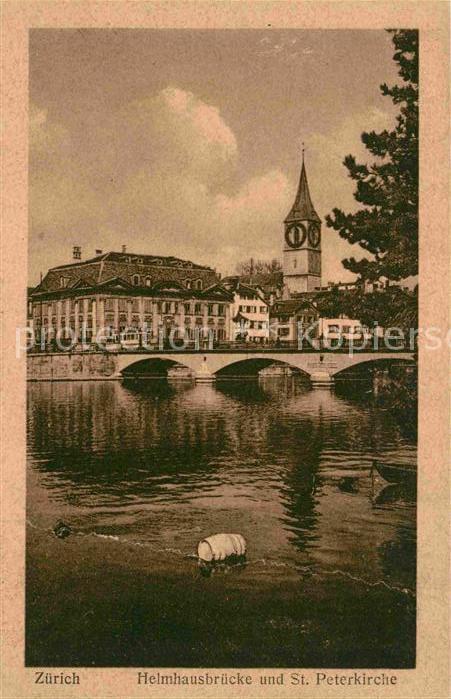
{"type": "Point", "coordinates": [72, 366]}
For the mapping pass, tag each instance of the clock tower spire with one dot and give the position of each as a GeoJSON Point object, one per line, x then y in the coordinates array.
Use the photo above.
{"type": "Point", "coordinates": [302, 248]}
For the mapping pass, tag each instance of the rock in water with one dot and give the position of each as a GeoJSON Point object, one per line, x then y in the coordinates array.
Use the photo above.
{"type": "Point", "coordinates": [62, 530]}
{"type": "Point", "coordinates": [221, 546]}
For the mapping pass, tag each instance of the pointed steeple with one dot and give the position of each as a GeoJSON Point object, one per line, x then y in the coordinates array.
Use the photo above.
{"type": "Point", "coordinates": [302, 209]}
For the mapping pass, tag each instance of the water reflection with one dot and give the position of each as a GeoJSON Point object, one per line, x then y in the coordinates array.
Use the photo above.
{"type": "Point", "coordinates": [286, 466]}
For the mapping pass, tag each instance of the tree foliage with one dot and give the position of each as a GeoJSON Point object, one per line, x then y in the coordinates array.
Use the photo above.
{"type": "Point", "coordinates": [387, 226]}
{"type": "Point", "coordinates": [390, 307]}
{"type": "Point", "coordinates": [251, 266]}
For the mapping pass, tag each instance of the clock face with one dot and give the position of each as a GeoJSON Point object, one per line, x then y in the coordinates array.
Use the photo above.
{"type": "Point", "coordinates": [295, 235]}
{"type": "Point", "coordinates": [314, 234]}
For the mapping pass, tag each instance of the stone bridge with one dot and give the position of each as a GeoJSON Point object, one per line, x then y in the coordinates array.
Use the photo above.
{"type": "Point", "coordinates": [207, 365]}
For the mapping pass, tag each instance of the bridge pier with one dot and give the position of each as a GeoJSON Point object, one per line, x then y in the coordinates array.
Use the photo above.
{"type": "Point", "coordinates": [204, 374]}
{"type": "Point", "coordinates": [321, 379]}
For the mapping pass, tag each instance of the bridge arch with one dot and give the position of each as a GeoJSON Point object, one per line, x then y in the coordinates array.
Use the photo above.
{"type": "Point", "coordinates": [152, 367]}
{"type": "Point", "coordinates": [368, 361]}
{"type": "Point", "coordinates": [251, 366]}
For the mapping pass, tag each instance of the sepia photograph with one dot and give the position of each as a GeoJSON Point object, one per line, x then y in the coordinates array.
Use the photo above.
{"type": "Point", "coordinates": [221, 350]}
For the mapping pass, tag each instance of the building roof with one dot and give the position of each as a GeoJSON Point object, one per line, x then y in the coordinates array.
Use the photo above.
{"type": "Point", "coordinates": [291, 306]}
{"type": "Point", "coordinates": [235, 285]}
{"type": "Point", "coordinates": [136, 258]}
{"type": "Point", "coordinates": [267, 282]}
{"type": "Point", "coordinates": [150, 269]}
{"type": "Point", "coordinates": [303, 209]}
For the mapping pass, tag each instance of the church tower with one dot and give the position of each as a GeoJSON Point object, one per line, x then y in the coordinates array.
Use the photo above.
{"type": "Point", "coordinates": [302, 249]}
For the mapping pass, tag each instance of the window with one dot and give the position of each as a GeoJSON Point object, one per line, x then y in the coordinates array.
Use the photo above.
{"type": "Point", "coordinates": [135, 280]}
{"type": "Point", "coordinates": [148, 281]}
{"type": "Point", "coordinates": [199, 284]}
{"type": "Point", "coordinates": [168, 307]}
{"type": "Point", "coordinates": [135, 305]}
{"type": "Point", "coordinates": [221, 309]}
{"type": "Point", "coordinates": [187, 308]}
{"type": "Point", "coordinates": [198, 308]}
{"type": "Point", "coordinates": [333, 328]}
{"type": "Point", "coordinates": [63, 282]}
{"type": "Point", "coordinates": [211, 309]}
{"type": "Point", "coordinates": [109, 304]}
{"type": "Point", "coordinates": [148, 306]}
{"type": "Point", "coordinates": [188, 283]}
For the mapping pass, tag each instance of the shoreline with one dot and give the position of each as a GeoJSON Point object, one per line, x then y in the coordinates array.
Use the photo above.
{"type": "Point", "coordinates": [99, 601]}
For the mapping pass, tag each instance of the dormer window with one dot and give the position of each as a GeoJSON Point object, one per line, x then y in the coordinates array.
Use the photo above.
{"type": "Point", "coordinates": [63, 282]}
{"type": "Point", "coordinates": [199, 284]}
{"type": "Point", "coordinates": [135, 280]}
{"type": "Point", "coordinates": [140, 260]}
{"type": "Point", "coordinates": [148, 281]}
{"type": "Point", "coordinates": [188, 283]}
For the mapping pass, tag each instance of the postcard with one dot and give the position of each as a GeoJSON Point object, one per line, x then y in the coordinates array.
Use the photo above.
{"type": "Point", "coordinates": [225, 359]}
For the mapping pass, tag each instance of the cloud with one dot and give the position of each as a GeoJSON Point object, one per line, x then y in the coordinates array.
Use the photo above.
{"type": "Point", "coordinates": [157, 176]}
{"type": "Point", "coordinates": [152, 176]}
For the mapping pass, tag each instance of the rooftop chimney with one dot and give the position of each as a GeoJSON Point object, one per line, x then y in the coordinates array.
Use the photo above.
{"type": "Point", "coordinates": [76, 252]}
{"type": "Point", "coordinates": [99, 252]}
{"type": "Point", "coordinates": [124, 248]}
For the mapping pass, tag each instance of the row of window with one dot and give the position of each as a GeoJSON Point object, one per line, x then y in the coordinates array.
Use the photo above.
{"type": "Point", "coordinates": [123, 304]}
{"type": "Point", "coordinates": [306, 320]}
{"type": "Point", "coordinates": [345, 329]}
{"type": "Point", "coordinates": [137, 280]}
{"type": "Point", "coordinates": [253, 309]}
{"type": "Point", "coordinates": [258, 325]}
{"type": "Point", "coordinates": [164, 307]}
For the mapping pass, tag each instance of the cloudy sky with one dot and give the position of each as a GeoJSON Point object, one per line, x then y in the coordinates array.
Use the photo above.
{"type": "Point", "coordinates": [187, 143]}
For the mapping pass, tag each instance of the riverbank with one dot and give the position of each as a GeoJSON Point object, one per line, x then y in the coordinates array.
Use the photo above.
{"type": "Point", "coordinates": [98, 601]}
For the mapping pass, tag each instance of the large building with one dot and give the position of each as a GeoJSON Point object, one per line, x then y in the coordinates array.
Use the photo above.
{"type": "Point", "coordinates": [119, 291]}
{"type": "Point", "coordinates": [302, 243]}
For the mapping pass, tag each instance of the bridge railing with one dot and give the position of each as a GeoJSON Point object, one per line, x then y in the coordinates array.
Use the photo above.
{"type": "Point", "coordinates": [232, 346]}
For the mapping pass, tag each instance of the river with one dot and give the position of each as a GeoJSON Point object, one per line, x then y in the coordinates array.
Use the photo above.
{"type": "Point", "coordinates": [142, 472]}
